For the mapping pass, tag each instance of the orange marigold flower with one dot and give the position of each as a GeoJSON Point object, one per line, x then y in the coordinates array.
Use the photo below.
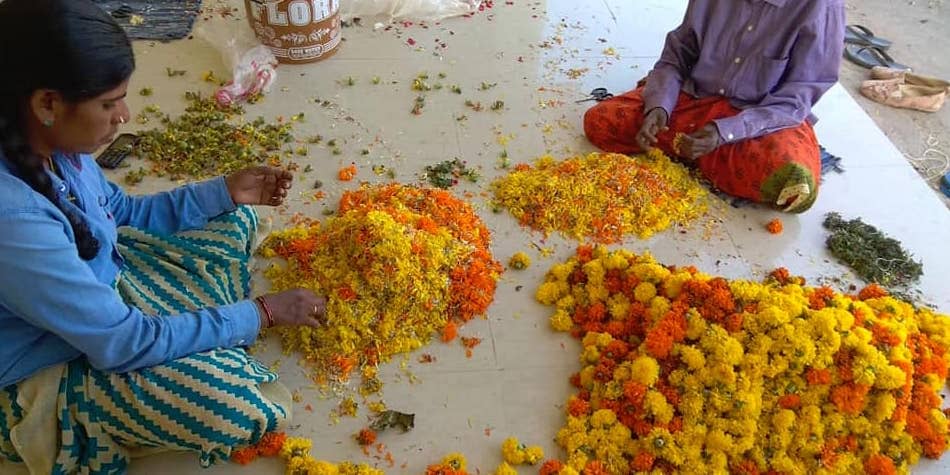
{"type": "Point", "coordinates": [595, 467]}
{"type": "Point", "coordinates": [775, 226]}
{"type": "Point", "coordinates": [551, 467]}
{"type": "Point", "coordinates": [872, 291]}
{"type": "Point", "coordinates": [244, 456]}
{"type": "Point", "coordinates": [271, 443]}
{"type": "Point", "coordinates": [346, 294]}
{"type": "Point", "coordinates": [346, 173]}
{"type": "Point", "coordinates": [849, 398]}
{"type": "Point", "coordinates": [820, 297]}
{"type": "Point", "coordinates": [746, 467]}
{"type": "Point", "coordinates": [450, 331]}
{"type": "Point", "coordinates": [733, 323]}
{"type": "Point", "coordinates": [818, 376]}
{"type": "Point", "coordinates": [780, 275]}
{"type": "Point", "coordinates": [642, 462]}
{"type": "Point", "coordinates": [878, 464]}
{"type": "Point", "coordinates": [578, 407]}
{"type": "Point", "coordinates": [366, 437]}
{"type": "Point", "coordinates": [790, 401]}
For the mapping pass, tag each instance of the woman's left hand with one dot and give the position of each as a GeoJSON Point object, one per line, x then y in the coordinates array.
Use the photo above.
{"type": "Point", "coordinates": [266, 186]}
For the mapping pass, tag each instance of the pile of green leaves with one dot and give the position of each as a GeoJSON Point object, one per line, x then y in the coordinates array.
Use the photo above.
{"type": "Point", "coordinates": [871, 254]}
{"type": "Point", "coordinates": [209, 140]}
{"type": "Point", "coordinates": [446, 174]}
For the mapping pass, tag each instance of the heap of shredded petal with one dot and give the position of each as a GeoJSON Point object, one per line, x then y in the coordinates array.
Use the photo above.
{"type": "Point", "coordinates": [397, 265]}
{"type": "Point", "coordinates": [686, 372]}
{"type": "Point", "coordinates": [602, 196]}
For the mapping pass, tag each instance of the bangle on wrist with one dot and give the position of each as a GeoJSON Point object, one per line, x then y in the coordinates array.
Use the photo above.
{"type": "Point", "coordinates": [267, 313]}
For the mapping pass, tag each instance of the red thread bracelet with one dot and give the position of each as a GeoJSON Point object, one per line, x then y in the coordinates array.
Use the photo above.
{"type": "Point", "coordinates": [267, 313]}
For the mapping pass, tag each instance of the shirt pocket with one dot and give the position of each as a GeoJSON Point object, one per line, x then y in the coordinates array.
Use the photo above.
{"type": "Point", "coordinates": [760, 77]}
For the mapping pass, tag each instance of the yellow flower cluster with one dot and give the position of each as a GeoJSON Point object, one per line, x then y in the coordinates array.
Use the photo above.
{"type": "Point", "coordinates": [684, 372]}
{"type": "Point", "coordinates": [391, 272]}
{"type": "Point", "coordinates": [516, 453]}
{"type": "Point", "coordinates": [602, 196]}
{"type": "Point", "coordinates": [385, 284]}
{"type": "Point", "coordinates": [296, 455]}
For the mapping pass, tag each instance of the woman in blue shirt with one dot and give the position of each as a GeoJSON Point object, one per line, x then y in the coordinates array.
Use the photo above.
{"type": "Point", "coordinates": [118, 339]}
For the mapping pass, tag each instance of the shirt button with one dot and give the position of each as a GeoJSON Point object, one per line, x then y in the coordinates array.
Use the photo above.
{"type": "Point", "coordinates": [722, 92]}
{"type": "Point", "coordinates": [737, 60]}
{"type": "Point", "coordinates": [730, 136]}
{"type": "Point", "coordinates": [240, 342]}
{"type": "Point", "coordinates": [750, 28]}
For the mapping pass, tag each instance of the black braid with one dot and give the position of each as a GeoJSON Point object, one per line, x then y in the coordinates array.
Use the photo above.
{"type": "Point", "coordinates": [31, 170]}
{"type": "Point", "coordinates": [69, 46]}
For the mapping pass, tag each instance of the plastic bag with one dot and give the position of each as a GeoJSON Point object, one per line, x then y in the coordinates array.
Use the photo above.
{"type": "Point", "coordinates": [253, 66]}
{"type": "Point", "coordinates": [419, 10]}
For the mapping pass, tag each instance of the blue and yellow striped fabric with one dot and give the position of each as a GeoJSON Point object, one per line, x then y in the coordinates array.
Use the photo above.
{"type": "Point", "coordinates": [206, 403]}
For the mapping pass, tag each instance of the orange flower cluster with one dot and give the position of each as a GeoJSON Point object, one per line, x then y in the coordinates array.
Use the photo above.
{"type": "Point", "coordinates": [269, 446]}
{"type": "Point", "coordinates": [347, 173]}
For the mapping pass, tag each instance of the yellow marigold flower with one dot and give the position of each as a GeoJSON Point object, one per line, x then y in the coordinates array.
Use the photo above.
{"type": "Point", "coordinates": [645, 370]}
{"type": "Point", "coordinates": [562, 271]}
{"type": "Point", "coordinates": [658, 307]}
{"type": "Point", "coordinates": [296, 447]}
{"type": "Point", "coordinates": [577, 461]}
{"type": "Point", "coordinates": [561, 321]}
{"type": "Point", "coordinates": [533, 454]}
{"type": "Point", "coordinates": [519, 261]}
{"type": "Point", "coordinates": [548, 293]}
{"type": "Point", "coordinates": [619, 306]}
{"type": "Point", "coordinates": [644, 292]}
{"type": "Point", "coordinates": [320, 467]}
{"type": "Point", "coordinates": [455, 460]}
{"type": "Point", "coordinates": [590, 355]}
{"type": "Point", "coordinates": [616, 261]}
{"type": "Point", "coordinates": [566, 303]}
{"type": "Point", "coordinates": [622, 373]}
{"type": "Point", "coordinates": [603, 418]}
{"type": "Point", "coordinates": [512, 451]}
{"type": "Point", "coordinates": [657, 405]}
{"type": "Point", "coordinates": [568, 470]}
{"type": "Point", "coordinates": [691, 356]}
{"type": "Point", "coordinates": [587, 376]}
{"type": "Point", "coordinates": [505, 469]}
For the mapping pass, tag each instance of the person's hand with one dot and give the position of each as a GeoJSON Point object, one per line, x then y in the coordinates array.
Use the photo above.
{"type": "Point", "coordinates": [700, 143]}
{"type": "Point", "coordinates": [654, 122]}
{"type": "Point", "coordinates": [259, 186]}
{"type": "Point", "coordinates": [295, 307]}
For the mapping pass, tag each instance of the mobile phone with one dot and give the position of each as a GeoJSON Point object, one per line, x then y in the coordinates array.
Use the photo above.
{"type": "Point", "coordinates": [117, 151]}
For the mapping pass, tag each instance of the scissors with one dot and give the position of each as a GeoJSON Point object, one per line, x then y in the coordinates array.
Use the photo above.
{"type": "Point", "coordinates": [598, 95]}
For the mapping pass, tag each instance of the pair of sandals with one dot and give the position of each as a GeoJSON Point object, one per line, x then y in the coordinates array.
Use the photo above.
{"type": "Point", "coordinates": [865, 49]}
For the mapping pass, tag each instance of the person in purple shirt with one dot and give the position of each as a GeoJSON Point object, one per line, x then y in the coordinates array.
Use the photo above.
{"type": "Point", "coordinates": [733, 92]}
{"type": "Point", "coordinates": [123, 319]}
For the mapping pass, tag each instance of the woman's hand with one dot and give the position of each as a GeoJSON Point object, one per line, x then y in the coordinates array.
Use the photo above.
{"type": "Point", "coordinates": [294, 308]}
{"type": "Point", "coordinates": [259, 186]}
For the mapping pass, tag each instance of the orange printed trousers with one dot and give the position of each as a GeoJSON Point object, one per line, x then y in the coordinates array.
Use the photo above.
{"type": "Point", "coordinates": [781, 169]}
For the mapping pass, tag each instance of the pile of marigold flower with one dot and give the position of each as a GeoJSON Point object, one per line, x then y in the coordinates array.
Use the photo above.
{"type": "Point", "coordinates": [397, 265]}
{"type": "Point", "coordinates": [602, 196]}
{"type": "Point", "coordinates": [685, 372]}
{"type": "Point", "coordinates": [295, 452]}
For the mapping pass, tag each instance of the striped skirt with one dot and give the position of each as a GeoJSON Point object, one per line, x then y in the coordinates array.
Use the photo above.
{"type": "Point", "coordinates": [206, 403]}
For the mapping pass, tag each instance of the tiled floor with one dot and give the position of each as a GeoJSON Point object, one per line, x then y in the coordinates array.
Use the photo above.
{"type": "Point", "coordinates": [517, 379]}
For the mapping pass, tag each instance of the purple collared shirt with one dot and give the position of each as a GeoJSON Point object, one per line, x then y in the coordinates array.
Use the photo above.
{"type": "Point", "coordinates": [772, 58]}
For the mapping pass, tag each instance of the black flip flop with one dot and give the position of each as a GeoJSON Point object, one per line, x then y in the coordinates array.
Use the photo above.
{"type": "Point", "coordinates": [869, 57]}
{"type": "Point", "coordinates": [861, 35]}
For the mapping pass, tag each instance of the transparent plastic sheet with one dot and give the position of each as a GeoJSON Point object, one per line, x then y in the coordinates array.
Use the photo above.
{"type": "Point", "coordinates": [252, 65]}
{"type": "Point", "coordinates": [417, 10]}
